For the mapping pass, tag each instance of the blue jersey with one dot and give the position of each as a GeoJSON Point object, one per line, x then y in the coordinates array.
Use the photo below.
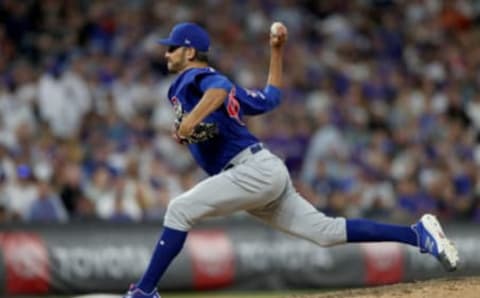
{"type": "Point", "coordinates": [233, 136]}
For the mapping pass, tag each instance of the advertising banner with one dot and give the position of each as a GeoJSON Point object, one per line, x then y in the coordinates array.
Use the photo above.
{"type": "Point", "coordinates": [99, 257]}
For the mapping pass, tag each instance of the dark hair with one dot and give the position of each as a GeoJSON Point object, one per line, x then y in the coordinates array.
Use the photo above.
{"type": "Point", "coordinates": [201, 56]}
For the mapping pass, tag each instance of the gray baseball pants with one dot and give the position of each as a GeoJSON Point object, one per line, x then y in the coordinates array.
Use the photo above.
{"type": "Point", "coordinates": [260, 184]}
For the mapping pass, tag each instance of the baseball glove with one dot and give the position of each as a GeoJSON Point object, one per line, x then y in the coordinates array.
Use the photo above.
{"type": "Point", "coordinates": [202, 132]}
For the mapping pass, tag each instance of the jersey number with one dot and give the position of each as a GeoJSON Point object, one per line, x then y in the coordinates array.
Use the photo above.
{"type": "Point", "coordinates": [233, 107]}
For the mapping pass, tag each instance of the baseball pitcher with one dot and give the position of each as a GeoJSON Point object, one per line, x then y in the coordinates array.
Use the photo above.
{"type": "Point", "coordinates": [244, 175]}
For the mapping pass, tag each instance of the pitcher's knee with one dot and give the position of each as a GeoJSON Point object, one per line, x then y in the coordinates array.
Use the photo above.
{"type": "Point", "coordinates": [330, 231]}
{"type": "Point", "coordinates": [329, 241]}
{"type": "Point", "coordinates": [179, 215]}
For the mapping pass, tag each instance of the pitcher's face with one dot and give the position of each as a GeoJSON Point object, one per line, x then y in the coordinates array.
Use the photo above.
{"type": "Point", "coordinates": [176, 58]}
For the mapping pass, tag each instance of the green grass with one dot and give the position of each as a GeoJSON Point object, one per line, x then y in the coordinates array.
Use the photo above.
{"type": "Point", "coordinates": [239, 294]}
{"type": "Point", "coordinates": [199, 295]}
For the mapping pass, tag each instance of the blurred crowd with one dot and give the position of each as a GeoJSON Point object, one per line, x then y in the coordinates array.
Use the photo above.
{"type": "Point", "coordinates": [380, 115]}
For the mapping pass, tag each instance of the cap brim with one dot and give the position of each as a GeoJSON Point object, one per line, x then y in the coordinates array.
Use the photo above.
{"type": "Point", "coordinates": [168, 42]}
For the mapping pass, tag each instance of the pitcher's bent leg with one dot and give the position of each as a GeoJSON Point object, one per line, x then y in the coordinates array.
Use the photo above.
{"type": "Point", "coordinates": [214, 196]}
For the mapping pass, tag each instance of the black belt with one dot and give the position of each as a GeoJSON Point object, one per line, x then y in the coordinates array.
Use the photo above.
{"type": "Point", "coordinates": [253, 149]}
{"type": "Point", "coordinates": [256, 148]}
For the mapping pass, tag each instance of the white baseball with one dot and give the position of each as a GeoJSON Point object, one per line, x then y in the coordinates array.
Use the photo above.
{"type": "Point", "coordinates": [276, 28]}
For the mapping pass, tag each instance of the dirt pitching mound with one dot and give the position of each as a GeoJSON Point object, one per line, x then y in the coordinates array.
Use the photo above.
{"type": "Point", "coordinates": [448, 288]}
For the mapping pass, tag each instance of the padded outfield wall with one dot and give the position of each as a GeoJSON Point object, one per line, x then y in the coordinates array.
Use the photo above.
{"type": "Point", "coordinates": [234, 254]}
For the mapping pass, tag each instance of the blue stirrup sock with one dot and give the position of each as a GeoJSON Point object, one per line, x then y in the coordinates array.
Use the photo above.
{"type": "Point", "coordinates": [167, 248]}
{"type": "Point", "coordinates": [364, 230]}
{"type": "Point", "coordinates": [358, 230]}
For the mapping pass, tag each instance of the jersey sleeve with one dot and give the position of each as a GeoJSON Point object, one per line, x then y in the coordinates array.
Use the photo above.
{"type": "Point", "coordinates": [255, 102]}
{"type": "Point", "coordinates": [250, 102]}
{"type": "Point", "coordinates": [215, 81]}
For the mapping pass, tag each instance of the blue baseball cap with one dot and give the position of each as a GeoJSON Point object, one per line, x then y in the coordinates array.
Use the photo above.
{"type": "Point", "coordinates": [188, 35]}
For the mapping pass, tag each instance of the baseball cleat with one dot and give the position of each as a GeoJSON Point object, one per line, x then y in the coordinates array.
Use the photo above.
{"type": "Point", "coordinates": [134, 292]}
{"type": "Point", "coordinates": [432, 240]}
